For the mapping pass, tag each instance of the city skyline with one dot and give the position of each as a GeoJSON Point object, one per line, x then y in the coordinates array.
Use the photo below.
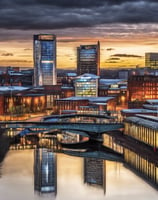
{"type": "Point", "coordinates": [126, 30]}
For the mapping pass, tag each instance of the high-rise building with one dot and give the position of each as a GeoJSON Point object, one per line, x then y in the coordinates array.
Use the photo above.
{"type": "Point", "coordinates": [151, 60]}
{"type": "Point", "coordinates": [88, 59]}
{"type": "Point", "coordinates": [44, 59]}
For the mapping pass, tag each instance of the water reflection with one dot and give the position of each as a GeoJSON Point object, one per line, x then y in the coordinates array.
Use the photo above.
{"type": "Point", "coordinates": [18, 179]}
{"type": "Point", "coordinates": [0, 170]}
{"type": "Point", "coordinates": [94, 172]}
{"type": "Point", "coordinates": [45, 171]}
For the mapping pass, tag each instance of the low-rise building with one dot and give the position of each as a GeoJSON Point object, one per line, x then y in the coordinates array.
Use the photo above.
{"type": "Point", "coordinates": [86, 85]}
{"type": "Point", "coordinates": [18, 100]}
{"type": "Point", "coordinates": [144, 132]}
{"type": "Point", "coordinates": [85, 104]}
{"type": "Point", "coordinates": [114, 87]}
{"type": "Point", "coordinates": [141, 88]}
{"type": "Point", "coordinates": [150, 107]}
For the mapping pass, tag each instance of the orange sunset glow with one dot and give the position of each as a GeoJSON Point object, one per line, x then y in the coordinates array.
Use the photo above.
{"type": "Point", "coordinates": [130, 51]}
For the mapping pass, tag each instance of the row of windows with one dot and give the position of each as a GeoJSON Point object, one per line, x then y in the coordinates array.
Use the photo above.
{"type": "Point", "coordinates": [109, 141]}
{"type": "Point", "coordinates": [47, 57]}
{"type": "Point", "coordinates": [88, 84]}
{"type": "Point", "coordinates": [148, 169]}
{"type": "Point", "coordinates": [87, 59]}
{"type": "Point", "coordinates": [144, 134]}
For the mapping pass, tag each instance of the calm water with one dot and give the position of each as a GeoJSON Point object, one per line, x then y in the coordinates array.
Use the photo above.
{"type": "Point", "coordinates": [17, 179]}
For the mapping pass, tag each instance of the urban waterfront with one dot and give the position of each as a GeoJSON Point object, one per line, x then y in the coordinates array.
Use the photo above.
{"type": "Point", "coordinates": [78, 100]}
{"type": "Point", "coordinates": [18, 179]}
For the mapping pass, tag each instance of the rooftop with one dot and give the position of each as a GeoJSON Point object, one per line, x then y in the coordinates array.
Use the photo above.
{"type": "Point", "coordinates": [12, 88]}
{"type": "Point", "coordinates": [91, 99]}
{"type": "Point", "coordinates": [87, 76]}
{"type": "Point", "coordinates": [153, 118]}
{"type": "Point", "coordinates": [152, 101]}
{"type": "Point", "coordinates": [138, 110]}
{"type": "Point", "coordinates": [143, 120]}
{"type": "Point", "coordinates": [71, 74]}
{"type": "Point", "coordinates": [112, 81]}
{"type": "Point", "coordinates": [151, 107]}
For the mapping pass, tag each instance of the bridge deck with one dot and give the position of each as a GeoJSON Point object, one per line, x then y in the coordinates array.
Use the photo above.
{"type": "Point", "coordinates": [96, 128]}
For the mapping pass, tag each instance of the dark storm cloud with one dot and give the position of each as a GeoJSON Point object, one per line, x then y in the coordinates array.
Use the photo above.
{"type": "Point", "coordinates": [110, 49]}
{"type": "Point", "coordinates": [114, 59]}
{"type": "Point", "coordinates": [7, 54]}
{"type": "Point", "coordinates": [17, 61]}
{"type": "Point", "coordinates": [72, 3]}
{"type": "Point", "coordinates": [126, 55]}
{"type": "Point", "coordinates": [58, 3]}
{"type": "Point", "coordinates": [57, 14]}
{"type": "Point", "coordinates": [68, 40]}
{"type": "Point", "coordinates": [27, 49]}
{"type": "Point", "coordinates": [111, 62]}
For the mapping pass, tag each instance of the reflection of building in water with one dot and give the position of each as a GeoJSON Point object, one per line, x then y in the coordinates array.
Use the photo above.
{"type": "Point", "coordinates": [143, 129]}
{"type": "Point", "coordinates": [45, 173]}
{"type": "Point", "coordinates": [110, 141]}
{"type": "Point", "coordinates": [94, 172]}
{"type": "Point", "coordinates": [0, 170]}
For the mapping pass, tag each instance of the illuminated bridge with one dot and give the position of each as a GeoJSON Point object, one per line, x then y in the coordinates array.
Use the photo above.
{"type": "Point", "coordinates": [93, 130]}
{"type": "Point", "coordinates": [88, 129]}
{"type": "Point", "coordinates": [98, 116]}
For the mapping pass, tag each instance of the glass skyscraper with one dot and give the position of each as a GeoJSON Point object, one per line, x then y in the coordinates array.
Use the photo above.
{"type": "Point", "coordinates": [88, 59]}
{"type": "Point", "coordinates": [44, 59]}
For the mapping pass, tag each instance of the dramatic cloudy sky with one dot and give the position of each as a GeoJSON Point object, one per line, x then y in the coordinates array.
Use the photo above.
{"type": "Point", "coordinates": [126, 29]}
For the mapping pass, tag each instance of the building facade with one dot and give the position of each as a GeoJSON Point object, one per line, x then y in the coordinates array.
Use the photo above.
{"type": "Point", "coordinates": [142, 88]}
{"type": "Point", "coordinates": [144, 131]}
{"type": "Point", "coordinates": [150, 107]}
{"type": "Point", "coordinates": [17, 100]}
{"type": "Point", "coordinates": [88, 59]}
{"type": "Point", "coordinates": [44, 46]}
{"type": "Point", "coordinates": [91, 105]}
{"type": "Point", "coordinates": [86, 85]}
{"type": "Point", "coordinates": [151, 60]}
{"type": "Point", "coordinates": [14, 76]}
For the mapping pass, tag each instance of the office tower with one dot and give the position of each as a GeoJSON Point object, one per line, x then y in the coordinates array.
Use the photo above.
{"type": "Point", "coordinates": [86, 85]}
{"type": "Point", "coordinates": [45, 172]}
{"type": "Point", "coordinates": [88, 59]}
{"type": "Point", "coordinates": [151, 60]}
{"type": "Point", "coordinates": [44, 59]}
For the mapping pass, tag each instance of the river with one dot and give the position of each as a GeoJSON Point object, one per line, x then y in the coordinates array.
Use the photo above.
{"type": "Point", "coordinates": [74, 178]}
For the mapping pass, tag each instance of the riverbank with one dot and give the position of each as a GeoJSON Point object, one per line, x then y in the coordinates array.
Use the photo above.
{"type": "Point", "coordinates": [4, 144]}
